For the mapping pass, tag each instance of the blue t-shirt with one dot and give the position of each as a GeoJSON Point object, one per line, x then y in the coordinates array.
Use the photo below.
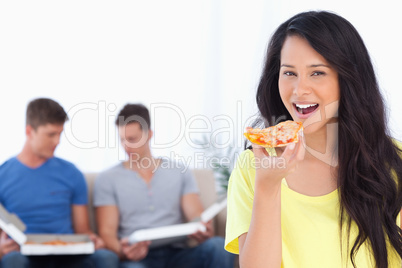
{"type": "Point", "coordinates": [42, 197]}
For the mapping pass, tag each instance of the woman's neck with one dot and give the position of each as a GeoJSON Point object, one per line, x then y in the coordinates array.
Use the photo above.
{"type": "Point", "coordinates": [323, 144]}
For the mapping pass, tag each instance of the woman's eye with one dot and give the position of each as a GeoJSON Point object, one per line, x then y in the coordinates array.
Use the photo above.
{"type": "Point", "coordinates": [318, 73]}
{"type": "Point", "coordinates": [288, 73]}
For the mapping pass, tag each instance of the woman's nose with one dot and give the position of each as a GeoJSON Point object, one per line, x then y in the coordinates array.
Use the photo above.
{"type": "Point", "coordinates": [301, 86]}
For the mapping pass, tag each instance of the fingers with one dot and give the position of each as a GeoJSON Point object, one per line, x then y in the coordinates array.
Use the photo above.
{"type": "Point", "coordinates": [7, 245]}
{"type": "Point", "coordinates": [9, 248]}
{"type": "Point", "coordinates": [261, 156]}
{"type": "Point", "coordinates": [3, 236]}
{"type": "Point", "coordinates": [141, 253]}
{"type": "Point", "coordinates": [259, 151]}
{"type": "Point", "coordinates": [124, 241]}
{"type": "Point", "coordinates": [99, 243]}
{"type": "Point", "coordinates": [199, 236]}
{"type": "Point", "coordinates": [135, 252]}
{"type": "Point", "coordinates": [95, 239]}
{"type": "Point", "coordinates": [271, 169]}
{"type": "Point", "coordinates": [210, 229]}
{"type": "Point", "coordinates": [5, 241]}
{"type": "Point", "coordinates": [289, 151]}
{"type": "Point", "coordinates": [295, 150]}
{"type": "Point", "coordinates": [92, 237]}
{"type": "Point", "coordinates": [208, 225]}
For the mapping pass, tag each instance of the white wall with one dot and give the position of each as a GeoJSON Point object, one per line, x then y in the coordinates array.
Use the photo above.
{"type": "Point", "coordinates": [196, 64]}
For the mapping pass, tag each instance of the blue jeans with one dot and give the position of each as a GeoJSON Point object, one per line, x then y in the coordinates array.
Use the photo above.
{"type": "Point", "coordinates": [102, 258]}
{"type": "Point", "coordinates": [209, 254]}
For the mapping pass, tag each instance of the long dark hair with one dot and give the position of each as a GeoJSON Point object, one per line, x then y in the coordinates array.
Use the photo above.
{"type": "Point", "coordinates": [370, 194]}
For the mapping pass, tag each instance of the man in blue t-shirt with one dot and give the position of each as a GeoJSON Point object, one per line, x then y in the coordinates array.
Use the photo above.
{"type": "Point", "coordinates": [47, 193]}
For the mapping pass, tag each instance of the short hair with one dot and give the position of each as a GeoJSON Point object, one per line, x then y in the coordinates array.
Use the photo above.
{"type": "Point", "coordinates": [134, 113]}
{"type": "Point", "coordinates": [44, 111]}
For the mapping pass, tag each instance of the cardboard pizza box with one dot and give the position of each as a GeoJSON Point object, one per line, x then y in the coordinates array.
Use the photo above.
{"type": "Point", "coordinates": [173, 233]}
{"type": "Point", "coordinates": [64, 244]}
{"type": "Point", "coordinates": [35, 244]}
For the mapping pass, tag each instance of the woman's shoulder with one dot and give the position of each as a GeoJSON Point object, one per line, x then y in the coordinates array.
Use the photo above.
{"type": "Point", "coordinates": [244, 159]}
{"type": "Point", "coordinates": [398, 143]}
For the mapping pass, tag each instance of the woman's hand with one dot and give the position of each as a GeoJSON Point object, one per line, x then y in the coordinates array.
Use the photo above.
{"type": "Point", "coordinates": [266, 216]}
{"type": "Point", "coordinates": [275, 168]}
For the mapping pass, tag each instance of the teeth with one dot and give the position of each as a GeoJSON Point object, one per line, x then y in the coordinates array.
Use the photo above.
{"type": "Point", "coordinates": [303, 106]}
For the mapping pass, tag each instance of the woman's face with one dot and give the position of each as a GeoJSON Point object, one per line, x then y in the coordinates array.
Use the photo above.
{"type": "Point", "coordinates": [308, 85]}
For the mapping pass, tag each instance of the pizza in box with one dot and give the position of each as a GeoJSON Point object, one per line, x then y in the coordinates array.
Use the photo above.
{"type": "Point", "coordinates": [56, 242]}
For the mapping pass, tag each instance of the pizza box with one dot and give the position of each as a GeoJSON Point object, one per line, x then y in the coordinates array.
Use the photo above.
{"type": "Point", "coordinates": [31, 244]}
{"type": "Point", "coordinates": [173, 233]}
{"type": "Point", "coordinates": [74, 244]}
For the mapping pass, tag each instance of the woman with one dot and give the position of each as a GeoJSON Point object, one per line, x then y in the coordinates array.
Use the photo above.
{"type": "Point", "coordinates": [334, 198]}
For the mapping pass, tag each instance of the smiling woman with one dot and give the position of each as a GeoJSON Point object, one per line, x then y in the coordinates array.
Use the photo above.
{"type": "Point", "coordinates": [337, 201]}
{"type": "Point", "coordinates": [307, 83]}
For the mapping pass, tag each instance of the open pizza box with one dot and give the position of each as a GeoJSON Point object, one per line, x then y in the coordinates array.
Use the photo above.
{"type": "Point", "coordinates": [164, 235]}
{"type": "Point", "coordinates": [43, 244]}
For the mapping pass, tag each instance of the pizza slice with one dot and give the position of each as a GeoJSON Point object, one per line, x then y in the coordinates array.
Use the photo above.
{"type": "Point", "coordinates": [276, 136]}
{"type": "Point", "coordinates": [56, 242]}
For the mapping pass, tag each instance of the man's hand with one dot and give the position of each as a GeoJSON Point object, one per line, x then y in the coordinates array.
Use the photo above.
{"type": "Point", "coordinates": [134, 252]}
{"type": "Point", "coordinates": [98, 242]}
{"type": "Point", "coordinates": [7, 244]}
{"type": "Point", "coordinates": [200, 237]}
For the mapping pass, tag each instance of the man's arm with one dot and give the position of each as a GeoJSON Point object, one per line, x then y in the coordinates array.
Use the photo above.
{"type": "Point", "coordinates": [107, 218]}
{"type": "Point", "coordinates": [192, 209]}
{"type": "Point", "coordinates": [191, 206]}
{"type": "Point", "coordinates": [80, 220]}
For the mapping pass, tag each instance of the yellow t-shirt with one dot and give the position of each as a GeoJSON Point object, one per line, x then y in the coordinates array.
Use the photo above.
{"type": "Point", "coordinates": [310, 225]}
